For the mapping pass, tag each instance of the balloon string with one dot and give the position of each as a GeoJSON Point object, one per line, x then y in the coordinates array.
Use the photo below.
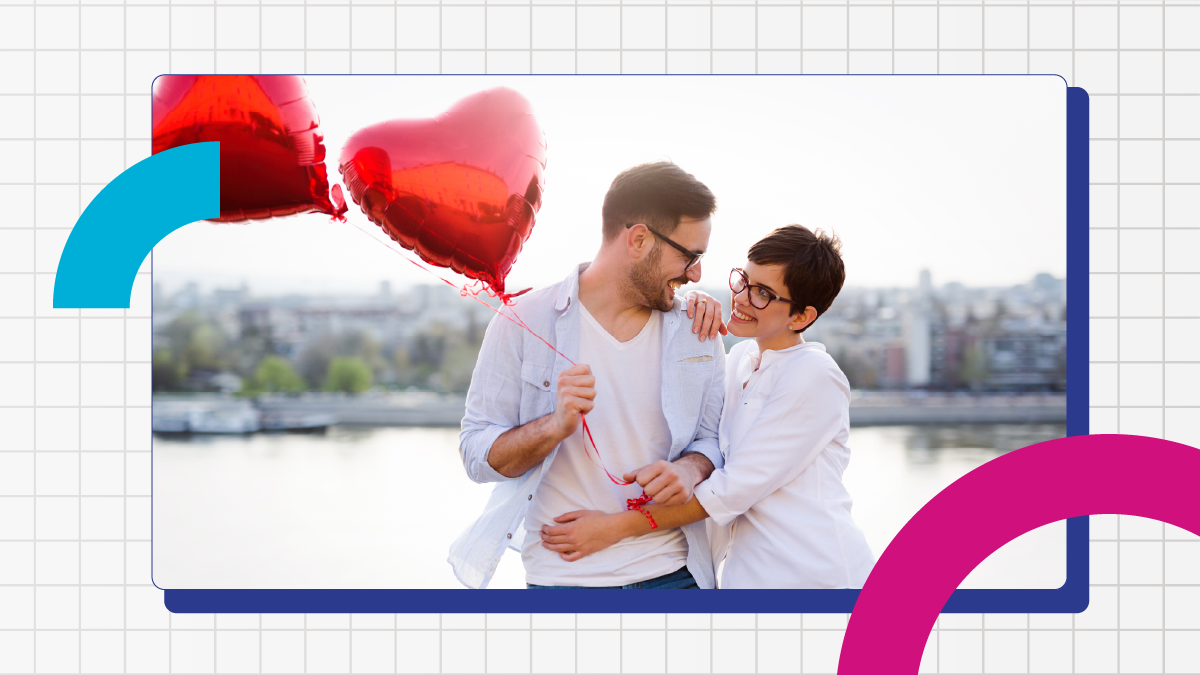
{"type": "Point", "coordinates": [506, 300]}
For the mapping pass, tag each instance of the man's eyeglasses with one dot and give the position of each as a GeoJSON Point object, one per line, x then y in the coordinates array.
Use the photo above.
{"type": "Point", "coordinates": [759, 296]}
{"type": "Point", "coordinates": [693, 258]}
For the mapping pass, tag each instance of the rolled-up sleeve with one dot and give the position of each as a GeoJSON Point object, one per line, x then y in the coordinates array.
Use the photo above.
{"type": "Point", "coordinates": [798, 420]}
{"type": "Point", "coordinates": [493, 399]}
{"type": "Point", "coordinates": [707, 440]}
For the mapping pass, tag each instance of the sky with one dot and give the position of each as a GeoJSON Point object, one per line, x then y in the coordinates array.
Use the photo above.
{"type": "Point", "coordinates": [962, 175]}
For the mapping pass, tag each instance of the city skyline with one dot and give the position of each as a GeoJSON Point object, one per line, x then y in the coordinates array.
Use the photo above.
{"type": "Point", "coordinates": [209, 287]}
{"type": "Point", "coordinates": [948, 337]}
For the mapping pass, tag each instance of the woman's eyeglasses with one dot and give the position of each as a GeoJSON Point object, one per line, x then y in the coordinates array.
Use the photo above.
{"type": "Point", "coordinates": [759, 296]}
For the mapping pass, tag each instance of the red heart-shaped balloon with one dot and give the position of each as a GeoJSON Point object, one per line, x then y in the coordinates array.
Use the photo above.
{"type": "Point", "coordinates": [272, 158]}
{"type": "Point", "coordinates": [460, 189]}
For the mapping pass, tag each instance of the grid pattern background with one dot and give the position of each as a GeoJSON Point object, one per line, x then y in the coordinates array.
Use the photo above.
{"type": "Point", "coordinates": [74, 384]}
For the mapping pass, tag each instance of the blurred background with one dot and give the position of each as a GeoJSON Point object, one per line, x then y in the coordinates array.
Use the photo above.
{"type": "Point", "coordinates": [309, 383]}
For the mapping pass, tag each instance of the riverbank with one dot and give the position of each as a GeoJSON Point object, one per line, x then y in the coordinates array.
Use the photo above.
{"type": "Point", "coordinates": [429, 409]}
{"type": "Point", "coordinates": [918, 407]}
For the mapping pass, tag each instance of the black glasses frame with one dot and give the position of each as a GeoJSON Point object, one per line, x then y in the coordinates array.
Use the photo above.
{"type": "Point", "coordinates": [693, 258]}
{"type": "Point", "coordinates": [749, 287]}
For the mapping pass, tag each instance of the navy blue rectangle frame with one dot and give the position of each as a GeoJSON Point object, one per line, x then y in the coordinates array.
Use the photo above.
{"type": "Point", "coordinates": [1072, 596]}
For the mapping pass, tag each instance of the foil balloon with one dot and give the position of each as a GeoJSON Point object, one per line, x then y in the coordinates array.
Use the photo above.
{"type": "Point", "coordinates": [460, 189]}
{"type": "Point", "coordinates": [272, 157]}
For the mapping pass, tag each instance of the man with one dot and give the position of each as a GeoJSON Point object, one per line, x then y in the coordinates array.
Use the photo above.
{"type": "Point", "coordinates": [651, 389]}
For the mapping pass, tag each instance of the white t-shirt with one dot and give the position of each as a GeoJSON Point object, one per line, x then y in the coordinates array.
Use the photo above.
{"type": "Point", "coordinates": [778, 506]}
{"type": "Point", "coordinates": [631, 431]}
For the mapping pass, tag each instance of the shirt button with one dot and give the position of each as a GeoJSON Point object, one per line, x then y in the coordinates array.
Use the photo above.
{"type": "Point", "coordinates": [546, 383]}
{"type": "Point", "coordinates": [510, 535]}
{"type": "Point", "coordinates": [529, 497]}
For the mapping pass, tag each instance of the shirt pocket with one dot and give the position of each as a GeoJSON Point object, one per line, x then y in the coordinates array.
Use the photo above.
{"type": "Point", "coordinates": [537, 396]}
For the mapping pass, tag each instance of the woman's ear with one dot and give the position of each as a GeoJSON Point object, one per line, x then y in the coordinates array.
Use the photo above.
{"type": "Point", "coordinates": [801, 320]}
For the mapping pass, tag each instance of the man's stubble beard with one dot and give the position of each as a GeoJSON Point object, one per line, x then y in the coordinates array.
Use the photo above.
{"type": "Point", "coordinates": [644, 285]}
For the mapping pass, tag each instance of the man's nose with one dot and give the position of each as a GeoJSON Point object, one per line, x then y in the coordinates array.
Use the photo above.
{"type": "Point", "coordinates": [693, 273]}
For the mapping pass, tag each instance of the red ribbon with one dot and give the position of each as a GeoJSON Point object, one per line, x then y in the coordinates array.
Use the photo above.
{"type": "Point", "coordinates": [638, 504]}
{"type": "Point", "coordinates": [507, 300]}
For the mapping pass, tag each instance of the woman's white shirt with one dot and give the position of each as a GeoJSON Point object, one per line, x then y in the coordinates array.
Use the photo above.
{"type": "Point", "coordinates": [778, 511]}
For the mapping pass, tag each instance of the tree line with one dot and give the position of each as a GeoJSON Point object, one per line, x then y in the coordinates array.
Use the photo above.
{"type": "Point", "coordinates": [192, 353]}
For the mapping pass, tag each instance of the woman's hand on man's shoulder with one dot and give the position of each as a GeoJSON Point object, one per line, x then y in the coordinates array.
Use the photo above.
{"type": "Point", "coordinates": [705, 312]}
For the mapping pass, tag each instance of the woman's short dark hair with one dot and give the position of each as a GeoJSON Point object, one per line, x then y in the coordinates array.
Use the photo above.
{"type": "Point", "coordinates": [812, 265]}
{"type": "Point", "coordinates": [658, 194]}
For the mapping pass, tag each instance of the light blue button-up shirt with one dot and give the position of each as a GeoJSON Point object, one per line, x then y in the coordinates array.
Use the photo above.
{"type": "Point", "coordinates": [515, 383]}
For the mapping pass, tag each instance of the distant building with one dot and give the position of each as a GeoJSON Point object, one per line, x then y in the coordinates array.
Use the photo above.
{"type": "Point", "coordinates": [895, 367]}
{"type": "Point", "coordinates": [918, 334]}
{"type": "Point", "coordinates": [950, 337]}
{"type": "Point", "coordinates": [1027, 355]}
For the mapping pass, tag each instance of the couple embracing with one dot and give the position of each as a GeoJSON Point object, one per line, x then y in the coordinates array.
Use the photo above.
{"type": "Point", "coordinates": [742, 455]}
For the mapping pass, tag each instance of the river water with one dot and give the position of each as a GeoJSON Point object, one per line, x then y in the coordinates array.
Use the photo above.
{"type": "Point", "coordinates": [377, 507]}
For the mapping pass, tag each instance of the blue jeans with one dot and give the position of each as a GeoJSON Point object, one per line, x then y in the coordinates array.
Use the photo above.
{"type": "Point", "coordinates": [680, 578]}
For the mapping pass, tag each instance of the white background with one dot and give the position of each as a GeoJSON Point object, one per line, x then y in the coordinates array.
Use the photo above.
{"type": "Point", "coordinates": [74, 385]}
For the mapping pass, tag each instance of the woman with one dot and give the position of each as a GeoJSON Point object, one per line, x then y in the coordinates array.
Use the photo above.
{"type": "Point", "coordinates": [779, 513]}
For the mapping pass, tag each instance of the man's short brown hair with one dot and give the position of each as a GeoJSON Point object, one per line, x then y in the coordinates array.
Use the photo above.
{"type": "Point", "coordinates": [812, 265]}
{"type": "Point", "coordinates": [659, 195]}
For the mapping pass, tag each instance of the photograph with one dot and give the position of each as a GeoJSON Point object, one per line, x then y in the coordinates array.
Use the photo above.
{"type": "Point", "coordinates": [648, 332]}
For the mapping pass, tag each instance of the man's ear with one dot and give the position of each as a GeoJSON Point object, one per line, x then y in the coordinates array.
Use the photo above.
{"type": "Point", "coordinates": [638, 241]}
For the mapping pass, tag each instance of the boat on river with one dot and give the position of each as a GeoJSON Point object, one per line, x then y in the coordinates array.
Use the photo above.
{"type": "Point", "coordinates": [230, 416]}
